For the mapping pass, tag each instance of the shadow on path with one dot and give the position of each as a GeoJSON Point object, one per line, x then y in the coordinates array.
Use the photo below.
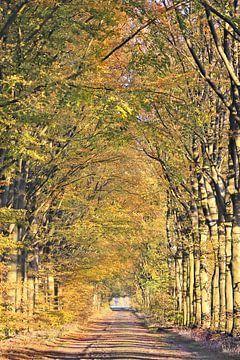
{"type": "Point", "coordinates": [120, 336]}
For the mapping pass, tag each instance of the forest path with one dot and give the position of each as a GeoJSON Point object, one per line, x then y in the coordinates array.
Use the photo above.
{"type": "Point", "coordinates": [121, 335]}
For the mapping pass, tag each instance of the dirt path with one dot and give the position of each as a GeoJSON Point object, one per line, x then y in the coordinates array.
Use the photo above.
{"type": "Point", "coordinates": [120, 335]}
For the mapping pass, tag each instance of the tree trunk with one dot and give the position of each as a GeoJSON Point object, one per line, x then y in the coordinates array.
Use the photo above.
{"type": "Point", "coordinates": [185, 288]}
{"type": "Point", "coordinates": [235, 264]}
{"type": "Point", "coordinates": [191, 286]}
{"type": "Point", "coordinates": [229, 285]}
{"type": "Point", "coordinates": [222, 277]}
{"type": "Point", "coordinates": [206, 315]}
{"type": "Point", "coordinates": [179, 300]}
{"type": "Point", "coordinates": [215, 298]}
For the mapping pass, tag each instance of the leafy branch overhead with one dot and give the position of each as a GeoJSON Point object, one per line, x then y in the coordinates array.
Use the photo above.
{"type": "Point", "coordinates": [119, 160]}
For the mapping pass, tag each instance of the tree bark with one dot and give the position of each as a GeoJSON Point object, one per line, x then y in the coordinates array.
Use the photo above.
{"type": "Point", "coordinates": [235, 264]}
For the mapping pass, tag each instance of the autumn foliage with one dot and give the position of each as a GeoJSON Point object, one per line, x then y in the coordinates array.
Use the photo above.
{"type": "Point", "coordinates": [119, 125]}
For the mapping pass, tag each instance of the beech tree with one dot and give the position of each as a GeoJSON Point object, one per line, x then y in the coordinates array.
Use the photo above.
{"type": "Point", "coordinates": [120, 159]}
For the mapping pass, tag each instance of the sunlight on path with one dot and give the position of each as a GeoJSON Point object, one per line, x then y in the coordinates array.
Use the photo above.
{"type": "Point", "coordinates": [121, 336]}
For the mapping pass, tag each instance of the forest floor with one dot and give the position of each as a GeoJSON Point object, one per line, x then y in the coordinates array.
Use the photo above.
{"type": "Point", "coordinates": [117, 335]}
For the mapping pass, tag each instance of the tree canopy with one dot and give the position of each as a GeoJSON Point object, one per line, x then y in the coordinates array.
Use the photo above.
{"type": "Point", "coordinates": [120, 153]}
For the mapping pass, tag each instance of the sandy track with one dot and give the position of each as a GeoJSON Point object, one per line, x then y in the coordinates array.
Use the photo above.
{"type": "Point", "coordinates": [120, 335]}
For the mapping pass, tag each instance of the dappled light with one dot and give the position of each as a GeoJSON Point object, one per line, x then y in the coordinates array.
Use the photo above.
{"type": "Point", "coordinates": [120, 336]}
{"type": "Point", "coordinates": [119, 179]}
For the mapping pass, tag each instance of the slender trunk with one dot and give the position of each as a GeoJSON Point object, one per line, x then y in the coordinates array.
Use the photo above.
{"type": "Point", "coordinates": [23, 286]}
{"type": "Point", "coordinates": [35, 293]}
{"type": "Point", "coordinates": [179, 295]}
{"type": "Point", "coordinates": [234, 189]}
{"type": "Point", "coordinates": [185, 288]}
{"type": "Point", "coordinates": [12, 276]}
{"type": "Point", "coordinates": [204, 233]}
{"type": "Point", "coordinates": [191, 286]}
{"type": "Point", "coordinates": [235, 264]}
{"type": "Point", "coordinates": [50, 292]}
{"type": "Point", "coordinates": [197, 288]}
{"type": "Point", "coordinates": [222, 277]}
{"type": "Point", "coordinates": [195, 233]}
{"type": "Point", "coordinates": [12, 283]}
{"type": "Point", "coordinates": [206, 315]}
{"type": "Point", "coordinates": [213, 228]}
{"type": "Point", "coordinates": [215, 298]}
{"type": "Point", "coordinates": [229, 284]}
{"type": "Point", "coordinates": [30, 295]}
{"type": "Point", "coordinates": [56, 295]}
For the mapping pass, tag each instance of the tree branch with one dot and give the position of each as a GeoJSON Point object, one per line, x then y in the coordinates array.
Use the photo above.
{"type": "Point", "coordinates": [220, 50]}
{"type": "Point", "coordinates": [12, 18]}
{"type": "Point", "coordinates": [130, 37]}
{"type": "Point", "coordinates": [223, 17]}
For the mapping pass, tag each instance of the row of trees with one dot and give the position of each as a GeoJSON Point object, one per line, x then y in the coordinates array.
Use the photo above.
{"type": "Point", "coordinates": [110, 113]}
{"type": "Point", "coordinates": [60, 161]}
{"type": "Point", "coordinates": [194, 137]}
{"type": "Point", "coordinates": [76, 196]}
